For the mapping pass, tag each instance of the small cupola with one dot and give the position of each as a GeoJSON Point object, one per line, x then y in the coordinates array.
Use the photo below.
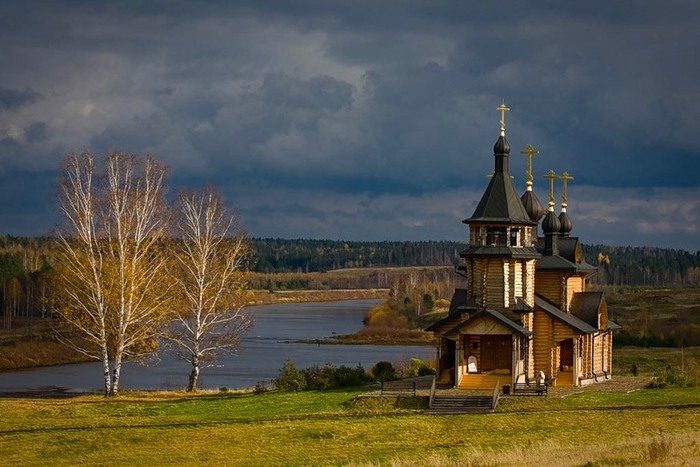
{"type": "Point", "coordinates": [564, 219]}
{"type": "Point", "coordinates": [529, 199]}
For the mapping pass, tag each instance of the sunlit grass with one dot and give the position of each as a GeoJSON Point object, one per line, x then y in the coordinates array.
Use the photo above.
{"type": "Point", "coordinates": [329, 427]}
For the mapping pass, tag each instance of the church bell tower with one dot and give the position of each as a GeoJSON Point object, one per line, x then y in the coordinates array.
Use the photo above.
{"type": "Point", "coordinates": [500, 259]}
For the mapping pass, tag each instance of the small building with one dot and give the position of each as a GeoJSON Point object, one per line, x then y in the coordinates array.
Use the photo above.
{"type": "Point", "coordinates": [525, 311]}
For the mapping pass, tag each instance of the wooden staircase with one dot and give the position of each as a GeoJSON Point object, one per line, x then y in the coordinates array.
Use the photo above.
{"type": "Point", "coordinates": [480, 381]}
{"type": "Point", "coordinates": [449, 404]}
{"type": "Point", "coordinates": [565, 379]}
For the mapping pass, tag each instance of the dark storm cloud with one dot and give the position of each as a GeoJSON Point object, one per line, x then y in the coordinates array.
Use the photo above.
{"type": "Point", "coordinates": [13, 99]}
{"type": "Point", "coordinates": [365, 117]}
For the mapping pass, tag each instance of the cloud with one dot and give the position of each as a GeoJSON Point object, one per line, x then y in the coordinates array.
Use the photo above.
{"type": "Point", "coordinates": [13, 99]}
{"type": "Point", "coordinates": [365, 103]}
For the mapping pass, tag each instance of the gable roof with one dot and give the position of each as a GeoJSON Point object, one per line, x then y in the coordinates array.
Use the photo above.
{"type": "Point", "coordinates": [496, 316]}
{"type": "Point", "coordinates": [586, 306]}
{"type": "Point", "coordinates": [500, 203]}
{"type": "Point", "coordinates": [566, 259]}
{"type": "Point", "coordinates": [566, 318]}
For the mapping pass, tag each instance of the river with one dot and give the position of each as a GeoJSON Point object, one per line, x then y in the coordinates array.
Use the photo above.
{"type": "Point", "coordinates": [264, 349]}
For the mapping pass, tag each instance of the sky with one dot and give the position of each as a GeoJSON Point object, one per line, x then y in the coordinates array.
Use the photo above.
{"type": "Point", "coordinates": [363, 120]}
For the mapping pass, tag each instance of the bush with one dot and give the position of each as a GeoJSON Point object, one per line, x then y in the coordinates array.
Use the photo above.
{"type": "Point", "coordinates": [344, 376]}
{"type": "Point", "coordinates": [417, 367]}
{"type": "Point", "coordinates": [675, 377]}
{"type": "Point", "coordinates": [318, 378]}
{"type": "Point", "coordinates": [290, 379]}
{"type": "Point", "coordinates": [384, 371]}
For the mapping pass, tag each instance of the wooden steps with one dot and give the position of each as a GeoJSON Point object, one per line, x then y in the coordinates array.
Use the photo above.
{"type": "Point", "coordinates": [565, 379]}
{"type": "Point", "coordinates": [449, 404]}
{"type": "Point", "coordinates": [481, 381]}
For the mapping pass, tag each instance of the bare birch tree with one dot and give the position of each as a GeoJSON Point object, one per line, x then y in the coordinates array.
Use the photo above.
{"type": "Point", "coordinates": [211, 254]}
{"type": "Point", "coordinates": [110, 280]}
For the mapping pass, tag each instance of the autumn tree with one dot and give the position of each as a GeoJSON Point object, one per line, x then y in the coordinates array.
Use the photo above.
{"type": "Point", "coordinates": [211, 251]}
{"type": "Point", "coordinates": [110, 281]}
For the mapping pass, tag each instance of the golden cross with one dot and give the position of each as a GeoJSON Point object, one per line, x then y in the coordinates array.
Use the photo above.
{"type": "Point", "coordinates": [551, 176]}
{"type": "Point", "coordinates": [503, 109]}
{"type": "Point", "coordinates": [565, 177]}
{"type": "Point", "coordinates": [529, 151]}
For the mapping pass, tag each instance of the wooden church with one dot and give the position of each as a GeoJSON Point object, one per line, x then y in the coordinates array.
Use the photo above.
{"type": "Point", "coordinates": [525, 316]}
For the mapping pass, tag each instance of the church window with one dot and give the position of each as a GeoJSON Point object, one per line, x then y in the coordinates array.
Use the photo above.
{"type": "Point", "coordinates": [515, 237]}
{"type": "Point", "coordinates": [496, 236]}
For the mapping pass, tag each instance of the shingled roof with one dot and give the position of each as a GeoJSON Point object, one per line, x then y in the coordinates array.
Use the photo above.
{"type": "Point", "coordinates": [586, 305]}
{"type": "Point", "coordinates": [568, 319]}
{"type": "Point", "coordinates": [500, 203]}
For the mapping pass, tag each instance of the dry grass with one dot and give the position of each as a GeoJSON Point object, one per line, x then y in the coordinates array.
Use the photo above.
{"type": "Point", "coordinates": [672, 450]}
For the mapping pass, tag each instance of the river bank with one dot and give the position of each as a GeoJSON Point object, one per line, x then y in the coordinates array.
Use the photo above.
{"type": "Point", "coordinates": [34, 343]}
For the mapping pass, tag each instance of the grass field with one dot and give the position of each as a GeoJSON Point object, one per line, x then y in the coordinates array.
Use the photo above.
{"type": "Point", "coordinates": [331, 428]}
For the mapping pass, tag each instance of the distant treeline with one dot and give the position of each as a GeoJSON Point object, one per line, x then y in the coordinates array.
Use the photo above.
{"type": "Point", "coordinates": [643, 266]}
{"type": "Point", "coordinates": [302, 255]}
{"type": "Point", "coordinates": [26, 262]}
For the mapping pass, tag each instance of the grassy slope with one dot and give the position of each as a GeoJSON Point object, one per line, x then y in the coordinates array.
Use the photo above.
{"type": "Point", "coordinates": [328, 428]}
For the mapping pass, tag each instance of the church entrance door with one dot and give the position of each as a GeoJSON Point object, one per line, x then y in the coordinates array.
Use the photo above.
{"type": "Point", "coordinates": [496, 353]}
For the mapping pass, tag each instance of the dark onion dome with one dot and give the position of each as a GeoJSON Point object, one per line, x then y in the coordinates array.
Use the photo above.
{"type": "Point", "coordinates": [501, 146]}
{"type": "Point", "coordinates": [532, 205]}
{"type": "Point", "coordinates": [565, 223]}
{"type": "Point", "coordinates": [550, 224]}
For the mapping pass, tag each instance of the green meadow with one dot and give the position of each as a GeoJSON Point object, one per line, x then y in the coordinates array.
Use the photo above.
{"type": "Point", "coordinates": [336, 428]}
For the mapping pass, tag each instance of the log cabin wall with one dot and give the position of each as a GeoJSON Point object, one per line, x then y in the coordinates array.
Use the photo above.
{"type": "Point", "coordinates": [516, 273]}
{"type": "Point", "coordinates": [598, 354]}
{"type": "Point", "coordinates": [529, 282]}
{"type": "Point", "coordinates": [541, 343]}
{"type": "Point", "coordinates": [494, 284]}
{"type": "Point", "coordinates": [574, 284]}
{"type": "Point", "coordinates": [549, 285]}
{"type": "Point", "coordinates": [603, 316]}
{"type": "Point", "coordinates": [610, 346]}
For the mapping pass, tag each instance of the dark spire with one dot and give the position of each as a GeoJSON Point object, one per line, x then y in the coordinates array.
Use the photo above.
{"type": "Point", "coordinates": [500, 202]}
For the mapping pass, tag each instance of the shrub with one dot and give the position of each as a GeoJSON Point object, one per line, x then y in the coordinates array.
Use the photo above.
{"type": "Point", "coordinates": [318, 378]}
{"type": "Point", "coordinates": [384, 371]}
{"type": "Point", "coordinates": [417, 367]}
{"type": "Point", "coordinates": [290, 379]}
{"type": "Point", "coordinates": [675, 377]}
{"type": "Point", "coordinates": [344, 376]}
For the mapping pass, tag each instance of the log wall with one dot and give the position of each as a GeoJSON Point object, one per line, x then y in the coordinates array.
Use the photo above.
{"type": "Point", "coordinates": [574, 285]}
{"type": "Point", "coordinates": [541, 343]}
{"type": "Point", "coordinates": [549, 285]}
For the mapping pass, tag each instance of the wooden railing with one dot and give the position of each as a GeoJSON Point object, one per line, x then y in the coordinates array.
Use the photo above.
{"type": "Point", "coordinates": [494, 400]}
{"type": "Point", "coordinates": [432, 391]}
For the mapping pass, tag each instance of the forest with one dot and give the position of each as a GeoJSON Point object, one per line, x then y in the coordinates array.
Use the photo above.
{"type": "Point", "coordinates": [26, 261]}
